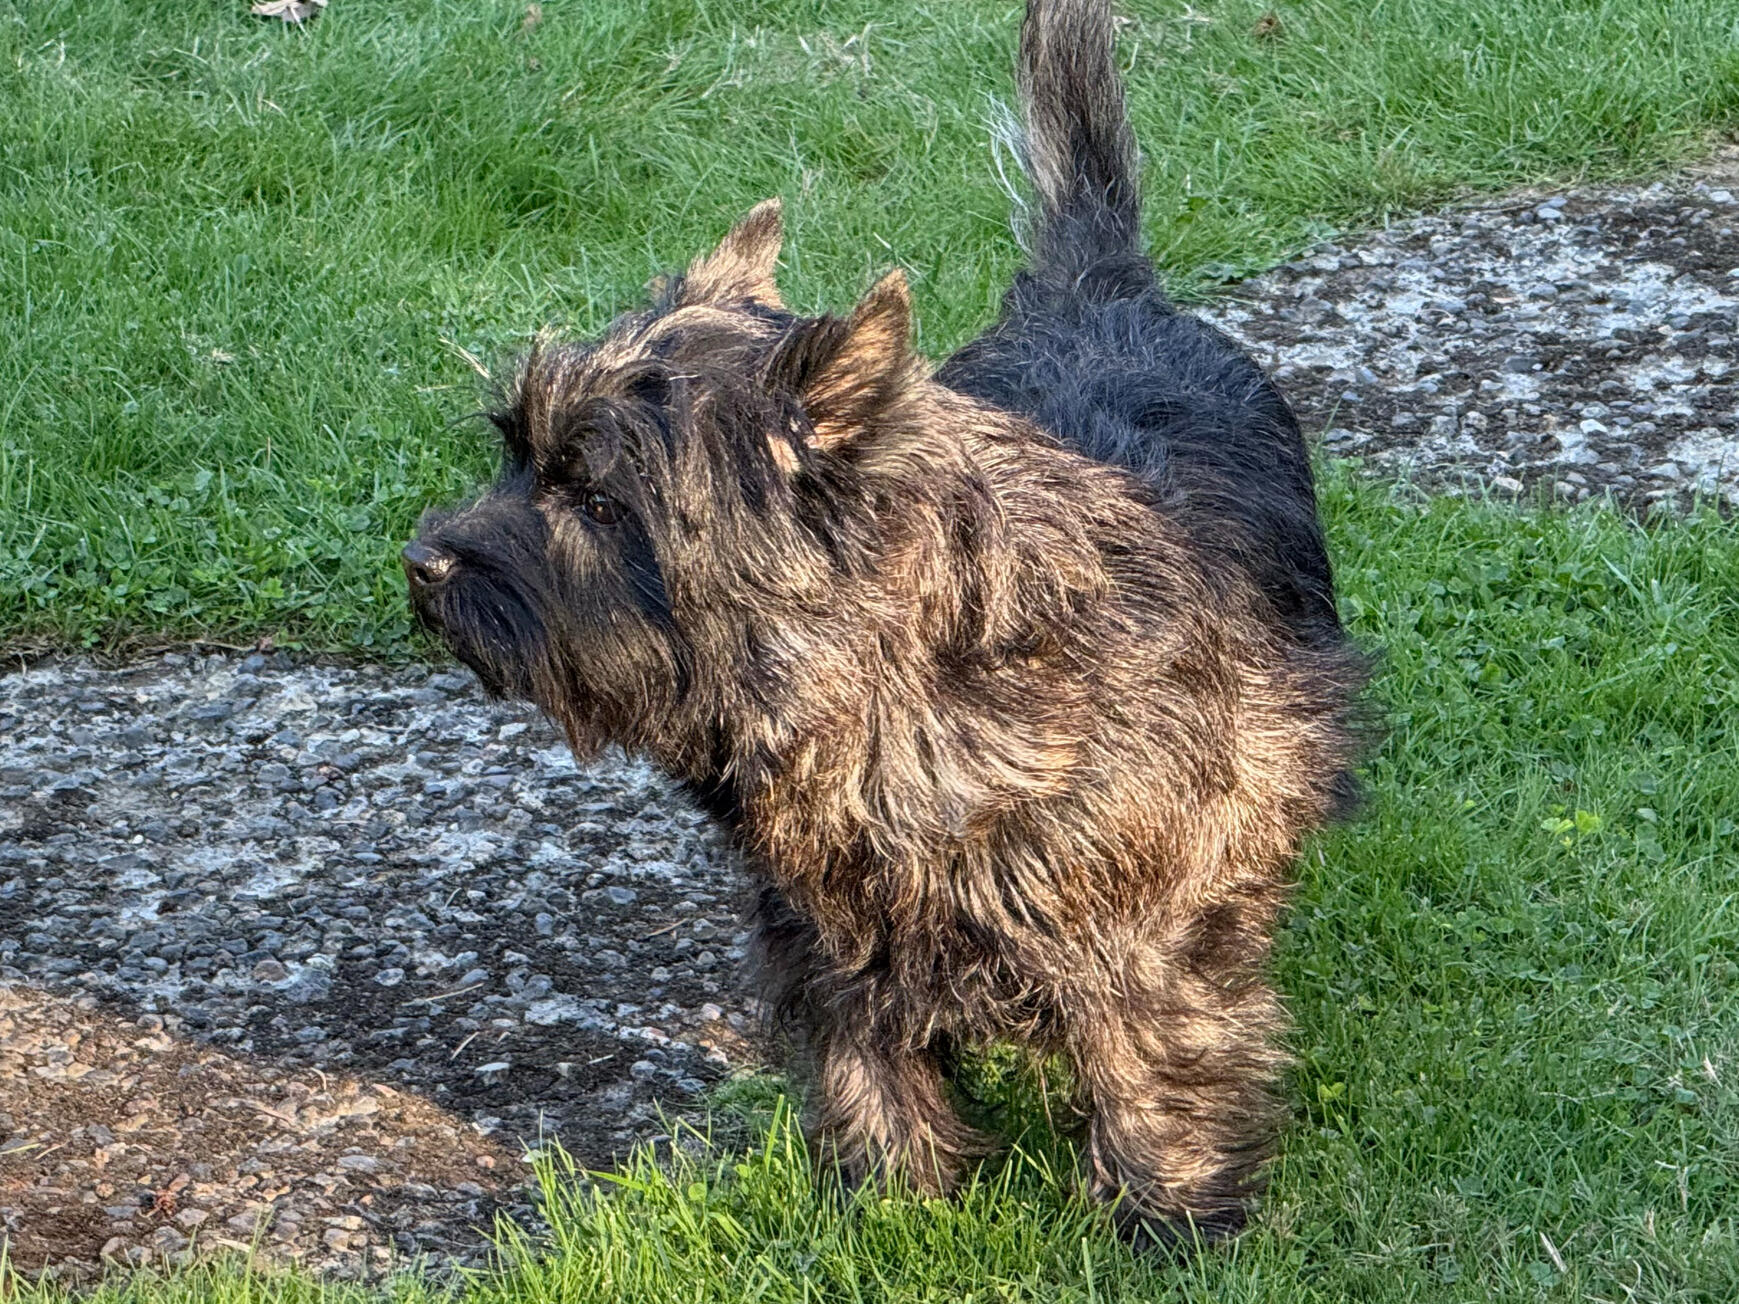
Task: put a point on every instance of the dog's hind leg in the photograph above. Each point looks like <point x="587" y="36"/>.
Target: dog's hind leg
<point x="1177" y="1080"/>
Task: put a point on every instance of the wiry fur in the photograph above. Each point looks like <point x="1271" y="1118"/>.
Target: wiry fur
<point x="1018" y="684"/>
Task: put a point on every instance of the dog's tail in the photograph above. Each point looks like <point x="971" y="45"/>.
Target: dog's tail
<point x="1079" y="151"/>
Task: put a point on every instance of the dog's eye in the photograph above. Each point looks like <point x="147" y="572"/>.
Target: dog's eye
<point x="601" y="508"/>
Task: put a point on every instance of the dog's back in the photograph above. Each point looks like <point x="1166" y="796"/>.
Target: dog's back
<point x="1089" y="346"/>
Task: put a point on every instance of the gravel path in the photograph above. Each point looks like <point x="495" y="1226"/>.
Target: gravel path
<point x="310" y="953"/>
<point x="319" y="871"/>
<point x="1580" y="343"/>
<point x="130" y="1142"/>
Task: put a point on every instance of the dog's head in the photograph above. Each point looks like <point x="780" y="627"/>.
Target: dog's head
<point x="664" y="492"/>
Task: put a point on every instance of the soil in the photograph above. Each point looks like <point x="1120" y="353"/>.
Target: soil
<point x="128" y="1143"/>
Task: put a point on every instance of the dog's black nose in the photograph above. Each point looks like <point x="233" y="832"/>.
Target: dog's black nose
<point x="425" y="566"/>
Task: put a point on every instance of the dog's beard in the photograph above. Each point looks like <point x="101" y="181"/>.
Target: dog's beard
<point x="494" y="630"/>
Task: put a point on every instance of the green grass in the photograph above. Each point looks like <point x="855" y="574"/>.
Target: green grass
<point x="1514" y="985"/>
<point x="237" y="260"/>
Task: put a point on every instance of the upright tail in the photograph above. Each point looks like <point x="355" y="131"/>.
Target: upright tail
<point x="1080" y="152"/>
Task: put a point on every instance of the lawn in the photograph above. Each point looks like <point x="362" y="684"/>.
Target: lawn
<point x="241" y="265"/>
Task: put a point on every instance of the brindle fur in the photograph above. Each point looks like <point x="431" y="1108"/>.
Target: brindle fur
<point x="1018" y="682"/>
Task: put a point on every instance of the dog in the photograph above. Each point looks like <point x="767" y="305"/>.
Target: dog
<point x="1017" y="681"/>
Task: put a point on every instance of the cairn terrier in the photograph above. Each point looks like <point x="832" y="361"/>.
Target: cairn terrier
<point x="1017" y="680"/>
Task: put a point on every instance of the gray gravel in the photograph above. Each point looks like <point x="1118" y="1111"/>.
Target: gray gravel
<point x="1578" y="344"/>
<point x="373" y="871"/>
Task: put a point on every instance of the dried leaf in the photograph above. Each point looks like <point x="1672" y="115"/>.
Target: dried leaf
<point x="533" y="16"/>
<point x="290" y="11"/>
<point x="1267" y="26"/>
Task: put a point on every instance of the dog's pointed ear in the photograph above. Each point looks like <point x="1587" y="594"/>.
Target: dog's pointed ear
<point x="742" y="266"/>
<point x="846" y="372"/>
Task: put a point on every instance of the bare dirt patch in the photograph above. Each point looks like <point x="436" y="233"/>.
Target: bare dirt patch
<point x="120" y="1141"/>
